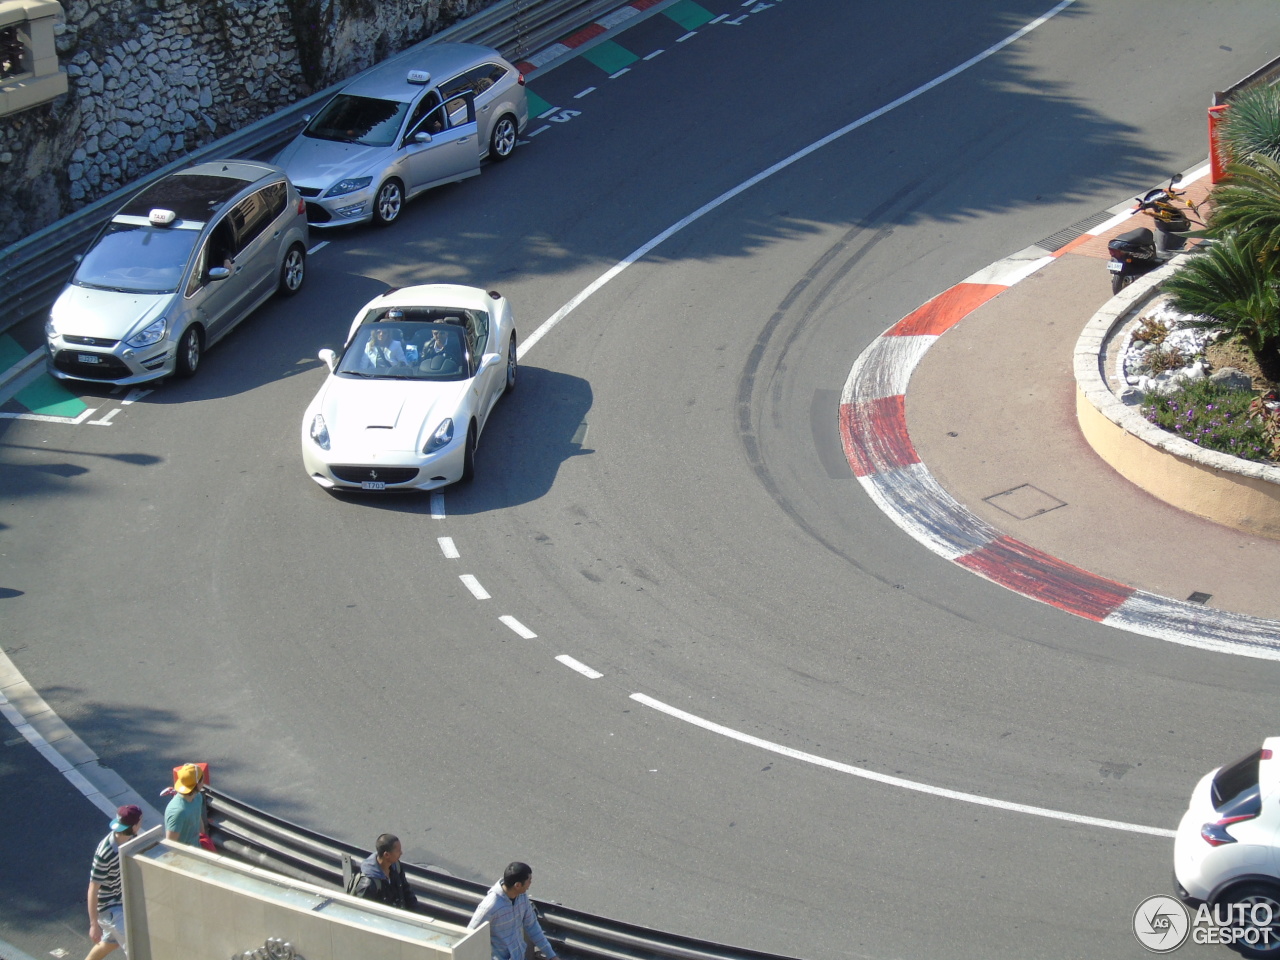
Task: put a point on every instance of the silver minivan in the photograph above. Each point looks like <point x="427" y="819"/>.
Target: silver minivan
<point x="175" y="270"/>
<point x="422" y="119"/>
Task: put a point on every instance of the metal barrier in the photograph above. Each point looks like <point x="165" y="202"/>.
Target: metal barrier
<point x="34" y="270"/>
<point x="247" y="833"/>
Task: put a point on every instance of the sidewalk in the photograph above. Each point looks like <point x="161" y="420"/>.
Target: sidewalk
<point x="1013" y="355"/>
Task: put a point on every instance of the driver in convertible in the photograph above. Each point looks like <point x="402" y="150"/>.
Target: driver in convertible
<point x="384" y="350"/>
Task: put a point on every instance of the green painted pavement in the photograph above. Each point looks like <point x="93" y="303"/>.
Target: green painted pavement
<point x="46" y="395"/>
<point x="688" y="14"/>
<point x="537" y="106"/>
<point x="610" y="57"/>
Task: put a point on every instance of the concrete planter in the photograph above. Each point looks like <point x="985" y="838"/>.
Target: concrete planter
<point x="1236" y="493"/>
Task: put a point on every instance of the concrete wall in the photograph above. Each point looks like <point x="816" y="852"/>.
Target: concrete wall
<point x="149" y="80"/>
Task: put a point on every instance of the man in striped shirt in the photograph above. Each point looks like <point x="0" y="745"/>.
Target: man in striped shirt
<point x="511" y="918"/>
<point x="106" y="905"/>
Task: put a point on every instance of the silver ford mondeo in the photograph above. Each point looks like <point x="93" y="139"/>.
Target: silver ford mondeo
<point x="422" y="119"/>
<point x="175" y="270"/>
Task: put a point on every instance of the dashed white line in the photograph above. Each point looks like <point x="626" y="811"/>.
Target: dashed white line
<point x="546" y="113"/>
<point x="615" y="76"/>
<point x="318" y="247"/>
<point x="542" y="129"/>
<point x="654" y="54"/>
<point x="105" y="421"/>
<point x="518" y="627"/>
<point x="578" y="665"/>
<point x="691" y="33"/>
<point x="437" y="506"/>
<point x="448" y="548"/>
<point x="579" y="96"/>
<point x="472" y="584"/>
<point x="896" y="781"/>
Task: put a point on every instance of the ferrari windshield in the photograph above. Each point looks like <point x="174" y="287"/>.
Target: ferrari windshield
<point x="406" y="350"/>
<point x="363" y="120"/>
<point x="137" y="258"/>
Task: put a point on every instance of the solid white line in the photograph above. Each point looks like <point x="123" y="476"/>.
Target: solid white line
<point x="21" y="367"/>
<point x="549" y="324"/>
<point x="579" y="96"/>
<point x="518" y="627"/>
<point x="896" y="781"/>
<point x="437" y="506"/>
<point x="447" y="548"/>
<point x="44" y="418"/>
<point x="581" y="667"/>
<point x="137" y="393"/>
<point x="472" y="584"/>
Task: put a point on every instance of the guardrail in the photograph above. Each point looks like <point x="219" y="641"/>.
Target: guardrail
<point x="247" y="833"/>
<point x="34" y="270"/>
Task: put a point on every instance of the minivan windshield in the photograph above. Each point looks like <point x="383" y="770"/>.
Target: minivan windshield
<point x="363" y="120"/>
<point x="137" y="258"/>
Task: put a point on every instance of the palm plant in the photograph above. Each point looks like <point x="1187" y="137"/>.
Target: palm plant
<point x="1228" y="285"/>
<point x="1252" y="125"/>
<point x="1247" y="204"/>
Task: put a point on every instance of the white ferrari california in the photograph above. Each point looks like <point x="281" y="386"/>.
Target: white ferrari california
<point x="409" y="394"/>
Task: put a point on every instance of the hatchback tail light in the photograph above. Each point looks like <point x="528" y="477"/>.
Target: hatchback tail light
<point x="1215" y="834"/>
<point x="520" y="78"/>
<point x="302" y="206"/>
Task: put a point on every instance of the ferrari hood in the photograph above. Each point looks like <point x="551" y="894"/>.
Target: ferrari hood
<point x="374" y="415"/>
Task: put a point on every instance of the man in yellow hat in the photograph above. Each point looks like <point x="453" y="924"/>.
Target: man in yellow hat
<point x="184" y="818"/>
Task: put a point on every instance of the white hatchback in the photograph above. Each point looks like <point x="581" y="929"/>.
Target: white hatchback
<point x="1227" y="848"/>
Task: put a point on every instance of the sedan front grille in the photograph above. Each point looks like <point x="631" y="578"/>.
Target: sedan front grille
<point x="309" y="191"/>
<point x="387" y="475"/>
<point x="107" y="367"/>
<point x="91" y="341"/>
<point x="317" y="214"/>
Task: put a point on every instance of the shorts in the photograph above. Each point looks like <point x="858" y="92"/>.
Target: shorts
<point x="111" y="920"/>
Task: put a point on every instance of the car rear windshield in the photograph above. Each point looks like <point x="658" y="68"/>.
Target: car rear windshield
<point x="363" y="120"/>
<point x="134" y="258"/>
<point x="1236" y="780"/>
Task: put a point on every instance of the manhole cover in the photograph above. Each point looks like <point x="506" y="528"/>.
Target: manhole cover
<point x="1024" y="502"/>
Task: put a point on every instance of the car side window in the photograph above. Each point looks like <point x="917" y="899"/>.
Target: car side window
<point x="478" y="331"/>
<point x="426" y="118"/>
<point x="461" y="108"/>
<point x="249" y="218"/>
<point x="277" y="197"/>
<point x="218" y="250"/>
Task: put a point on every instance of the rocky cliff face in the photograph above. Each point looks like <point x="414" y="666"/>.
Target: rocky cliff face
<point x="151" y="80"/>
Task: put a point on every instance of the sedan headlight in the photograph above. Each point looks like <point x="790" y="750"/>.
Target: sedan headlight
<point x="320" y="432"/>
<point x="348" y="185"/>
<point x="152" y="333"/>
<point x="443" y="434"/>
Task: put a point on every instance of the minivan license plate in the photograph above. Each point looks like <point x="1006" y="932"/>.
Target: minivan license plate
<point x="88" y="358"/>
<point x="373" y="485"/>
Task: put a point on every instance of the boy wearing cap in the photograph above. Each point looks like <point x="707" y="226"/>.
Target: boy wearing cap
<point x="106" y="905"/>
<point x="184" y="817"/>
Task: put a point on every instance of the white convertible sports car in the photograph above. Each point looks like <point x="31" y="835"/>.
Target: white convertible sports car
<point x="408" y="396"/>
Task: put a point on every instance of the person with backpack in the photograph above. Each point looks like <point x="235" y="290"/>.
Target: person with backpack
<point x="382" y="879"/>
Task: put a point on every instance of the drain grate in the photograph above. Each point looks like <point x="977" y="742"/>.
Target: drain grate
<point x="1199" y="597"/>
<point x="1063" y="237"/>
<point x="1024" y="502"/>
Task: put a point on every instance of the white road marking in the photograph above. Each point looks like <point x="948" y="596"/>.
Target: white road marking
<point x="654" y="54"/>
<point x="550" y="323"/>
<point x="437" y="506"/>
<point x="579" y="96"/>
<point x="318" y="247"/>
<point x="541" y="129"/>
<point x="137" y="393"/>
<point x="45" y="418"/>
<point x="615" y="76"/>
<point x="546" y="113"/>
<point x="518" y="627"/>
<point x="447" y="548"/>
<point x="691" y="33"/>
<point x="896" y="781"/>
<point x="105" y="421"/>
<point x="472" y="584"/>
<point x="581" y="667"/>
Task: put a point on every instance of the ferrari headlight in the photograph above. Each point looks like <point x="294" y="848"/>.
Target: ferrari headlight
<point x="348" y="185"/>
<point x="151" y="333"/>
<point x="443" y="434"/>
<point x="320" y="432"/>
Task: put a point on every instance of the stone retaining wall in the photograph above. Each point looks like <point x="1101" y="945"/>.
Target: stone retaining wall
<point x="151" y="80"/>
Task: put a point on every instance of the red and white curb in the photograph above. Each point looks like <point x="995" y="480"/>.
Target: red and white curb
<point x="567" y="45"/>
<point x="873" y="429"/>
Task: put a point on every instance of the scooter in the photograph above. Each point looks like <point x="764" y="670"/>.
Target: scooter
<point x="1141" y="251"/>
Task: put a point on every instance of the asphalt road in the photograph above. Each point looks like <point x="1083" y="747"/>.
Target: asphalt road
<point x="665" y="501"/>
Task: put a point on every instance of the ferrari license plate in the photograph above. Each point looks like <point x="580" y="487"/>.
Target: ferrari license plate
<point x="88" y="358"/>
<point x="373" y="485"/>
<point x="1115" y="266"/>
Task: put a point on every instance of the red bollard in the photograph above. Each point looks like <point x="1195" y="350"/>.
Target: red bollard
<point x="1218" y="159"/>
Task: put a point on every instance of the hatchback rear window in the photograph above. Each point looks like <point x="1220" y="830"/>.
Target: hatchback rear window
<point x="364" y="120"/>
<point x="1236" y="780"/>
